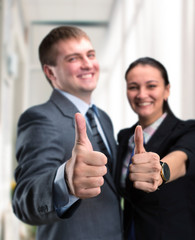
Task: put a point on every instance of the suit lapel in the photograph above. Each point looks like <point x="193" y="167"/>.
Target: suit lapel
<point x="112" y="144"/>
<point x="109" y="137"/>
<point x="68" y="109"/>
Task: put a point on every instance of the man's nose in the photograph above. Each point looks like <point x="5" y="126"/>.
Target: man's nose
<point x="86" y="63"/>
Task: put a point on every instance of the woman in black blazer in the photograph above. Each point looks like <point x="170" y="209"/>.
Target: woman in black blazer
<point x="169" y="212"/>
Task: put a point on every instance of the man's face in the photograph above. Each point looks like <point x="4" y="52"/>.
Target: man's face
<point x="77" y="69"/>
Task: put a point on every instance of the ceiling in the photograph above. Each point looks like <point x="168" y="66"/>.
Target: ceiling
<point x="93" y="16"/>
<point x="62" y="11"/>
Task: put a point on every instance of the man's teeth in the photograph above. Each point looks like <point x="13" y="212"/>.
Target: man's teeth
<point x="86" y="76"/>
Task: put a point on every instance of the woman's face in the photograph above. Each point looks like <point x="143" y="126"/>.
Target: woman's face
<point x="146" y="92"/>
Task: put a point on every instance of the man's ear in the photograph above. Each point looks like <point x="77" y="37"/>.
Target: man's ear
<point x="49" y="72"/>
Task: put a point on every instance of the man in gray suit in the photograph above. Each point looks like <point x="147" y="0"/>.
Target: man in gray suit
<point x="63" y="183"/>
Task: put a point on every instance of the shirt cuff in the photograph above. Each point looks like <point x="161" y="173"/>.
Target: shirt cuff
<point x="63" y="200"/>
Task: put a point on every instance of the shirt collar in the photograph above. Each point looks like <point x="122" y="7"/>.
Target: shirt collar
<point x="80" y="104"/>
<point x="149" y="131"/>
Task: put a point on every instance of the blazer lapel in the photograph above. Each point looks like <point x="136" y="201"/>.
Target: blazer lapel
<point x="122" y="150"/>
<point x="159" y="136"/>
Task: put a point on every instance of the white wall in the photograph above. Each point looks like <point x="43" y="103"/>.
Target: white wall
<point x="13" y="73"/>
<point x="160" y="29"/>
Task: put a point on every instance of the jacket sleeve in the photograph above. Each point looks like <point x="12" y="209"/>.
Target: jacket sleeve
<point x="40" y="150"/>
<point x="185" y="142"/>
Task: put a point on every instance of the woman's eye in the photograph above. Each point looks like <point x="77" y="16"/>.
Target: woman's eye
<point x="132" y="88"/>
<point x="151" y="86"/>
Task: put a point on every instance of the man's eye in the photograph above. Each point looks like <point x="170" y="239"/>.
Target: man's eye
<point x="91" y="55"/>
<point x="72" y="59"/>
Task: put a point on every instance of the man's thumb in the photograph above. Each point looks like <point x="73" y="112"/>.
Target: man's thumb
<point x="81" y="137"/>
<point x="138" y="139"/>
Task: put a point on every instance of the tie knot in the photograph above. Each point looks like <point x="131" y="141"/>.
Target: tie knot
<point x="90" y="113"/>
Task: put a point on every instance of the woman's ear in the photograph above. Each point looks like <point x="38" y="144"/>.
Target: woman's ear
<point x="167" y="92"/>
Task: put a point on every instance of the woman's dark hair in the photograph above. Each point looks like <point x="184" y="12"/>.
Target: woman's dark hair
<point x="154" y="63"/>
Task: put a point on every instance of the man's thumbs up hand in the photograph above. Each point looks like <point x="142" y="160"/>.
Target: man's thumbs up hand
<point x="144" y="171"/>
<point x="85" y="169"/>
<point x="81" y="137"/>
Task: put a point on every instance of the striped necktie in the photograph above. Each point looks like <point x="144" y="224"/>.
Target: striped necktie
<point x="97" y="136"/>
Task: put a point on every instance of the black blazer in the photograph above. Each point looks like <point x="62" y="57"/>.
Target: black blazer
<point x="46" y="135"/>
<point x="168" y="213"/>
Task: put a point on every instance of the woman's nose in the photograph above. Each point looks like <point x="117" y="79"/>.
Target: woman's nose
<point x="142" y="93"/>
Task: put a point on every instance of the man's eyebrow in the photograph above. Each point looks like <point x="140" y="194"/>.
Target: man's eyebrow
<point x="72" y="55"/>
<point x="91" y="50"/>
<point x="78" y="54"/>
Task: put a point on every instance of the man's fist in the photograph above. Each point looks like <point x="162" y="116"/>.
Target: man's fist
<point x="85" y="170"/>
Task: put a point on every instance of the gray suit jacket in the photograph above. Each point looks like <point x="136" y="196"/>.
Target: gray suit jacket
<point x="46" y="135"/>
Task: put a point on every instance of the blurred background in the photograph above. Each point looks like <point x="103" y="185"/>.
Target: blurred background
<point x="121" y="31"/>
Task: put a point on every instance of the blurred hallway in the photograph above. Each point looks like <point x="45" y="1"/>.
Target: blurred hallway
<point x="121" y="31"/>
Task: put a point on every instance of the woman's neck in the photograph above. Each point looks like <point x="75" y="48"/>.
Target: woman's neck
<point x="145" y="122"/>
